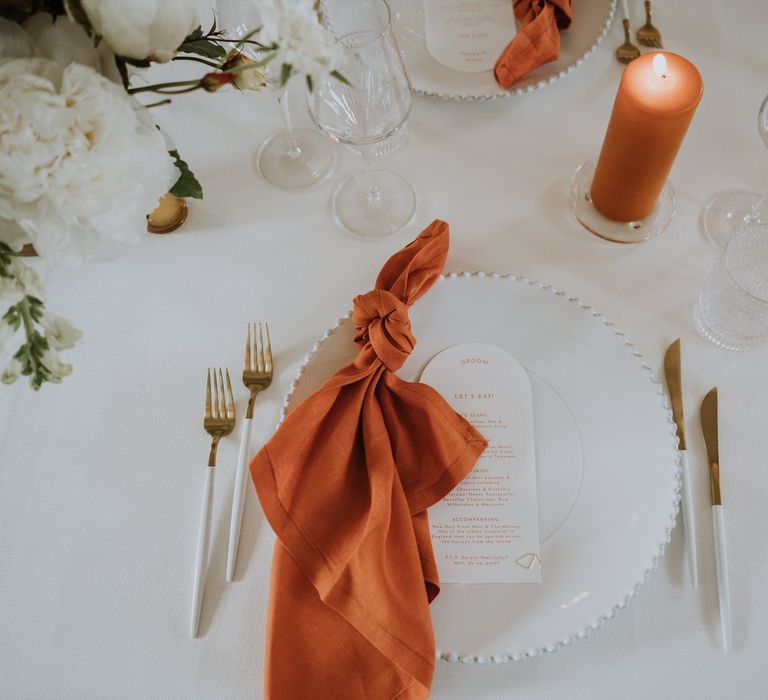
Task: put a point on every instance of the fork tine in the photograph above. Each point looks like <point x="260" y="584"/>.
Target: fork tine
<point x="220" y="397"/>
<point x="230" y="397"/>
<point x="260" y="346"/>
<point x="268" y="360"/>
<point x="208" y="394"/>
<point x="247" y="362"/>
<point x="215" y="395"/>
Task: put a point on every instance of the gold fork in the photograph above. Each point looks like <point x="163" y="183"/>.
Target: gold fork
<point x="627" y="51"/>
<point x="257" y="376"/>
<point x="648" y="35"/>
<point x="218" y="421"/>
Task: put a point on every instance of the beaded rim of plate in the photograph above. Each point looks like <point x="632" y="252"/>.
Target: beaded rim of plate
<point x="457" y="656"/>
<point x="529" y="88"/>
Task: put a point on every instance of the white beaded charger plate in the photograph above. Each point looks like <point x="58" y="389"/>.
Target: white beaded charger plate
<point x="591" y="21"/>
<point x="606" y="455"/>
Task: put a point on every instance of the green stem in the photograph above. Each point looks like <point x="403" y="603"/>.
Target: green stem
<point x="26" y="317"/>
<point x="158" y="86"/>
<point x="196" y="60"/>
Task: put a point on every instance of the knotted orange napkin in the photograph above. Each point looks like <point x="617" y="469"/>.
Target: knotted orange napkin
<point x="345" y="483"/>
<point x="538" y="40"/>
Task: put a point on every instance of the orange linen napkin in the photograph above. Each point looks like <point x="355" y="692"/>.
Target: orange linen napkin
<point x="345" y="483"/>
<point x="538" y="40"/>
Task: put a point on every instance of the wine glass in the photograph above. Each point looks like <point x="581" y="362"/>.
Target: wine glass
<point x="370" y="105"/>
<point x="292" y="159"/>
<point x="730" y="211"/>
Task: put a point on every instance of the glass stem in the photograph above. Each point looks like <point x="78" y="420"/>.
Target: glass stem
<point x="374" y="193"/>
<point x="757" y="210"/>
<point x="294" y="150"/>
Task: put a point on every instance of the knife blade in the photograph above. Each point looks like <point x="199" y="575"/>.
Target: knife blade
<point x="709" y="427"/>
<point x="672" y="370"/>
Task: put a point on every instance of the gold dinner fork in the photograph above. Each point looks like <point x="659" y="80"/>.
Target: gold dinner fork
<point x="627" y="51"/>
<point x="218" y="421"/>
<point x="257" y="376"/>
<point x="648" y="35"/>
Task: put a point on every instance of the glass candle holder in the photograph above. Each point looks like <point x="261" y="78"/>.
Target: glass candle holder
<point x="624" y="196"/>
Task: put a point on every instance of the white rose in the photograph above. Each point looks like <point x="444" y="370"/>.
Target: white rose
<point x="58" y="369"/>
<point x="61" y="333"/>
<point x="80" y="165"/>
<point x="302" y="41"/>
<point x="151" y="29"/>
<point x="11" y="372"/>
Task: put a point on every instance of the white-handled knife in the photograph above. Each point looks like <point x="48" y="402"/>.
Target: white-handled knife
<point x="709" y="427"/>
<point x="672" y="371"/>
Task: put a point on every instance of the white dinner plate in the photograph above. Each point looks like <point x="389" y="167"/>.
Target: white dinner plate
<point x="591" y="20"/>
<point x="606" y="454"/>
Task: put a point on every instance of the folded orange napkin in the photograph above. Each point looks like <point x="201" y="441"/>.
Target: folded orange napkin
<point x="538" y="40"/>
<point x="345" y="483"/>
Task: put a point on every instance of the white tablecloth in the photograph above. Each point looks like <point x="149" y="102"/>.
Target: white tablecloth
<point x="100" y="477"/>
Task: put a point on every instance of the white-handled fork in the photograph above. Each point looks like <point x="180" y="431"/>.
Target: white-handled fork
<point x="219" y="421"/>
<point x="257" y="375"/>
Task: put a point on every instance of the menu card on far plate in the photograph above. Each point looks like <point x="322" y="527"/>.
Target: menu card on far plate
<point x="487" y="529"/>
<point x="468" y="35"/>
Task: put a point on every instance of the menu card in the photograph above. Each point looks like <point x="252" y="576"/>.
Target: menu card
<point x="468" y="35"/>
<point x="487" y="529"/>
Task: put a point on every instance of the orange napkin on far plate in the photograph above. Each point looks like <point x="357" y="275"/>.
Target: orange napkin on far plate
<point x="538" y="40"/>
<point x="345" y="483"/>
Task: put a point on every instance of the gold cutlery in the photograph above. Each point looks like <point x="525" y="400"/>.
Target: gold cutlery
<point x="709" y="427"/>
<point x="627" y="51"/>
<point x="672" y="371"/>
<point x="257" y="376"/>
<point x="218" y="421"/>
<point x="648" y="35"/>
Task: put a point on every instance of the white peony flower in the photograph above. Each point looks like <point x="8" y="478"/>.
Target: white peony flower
<point x="65" y="42"/>
<point x="81" y="165"/>
<point x="61" y="333"/>
<point x="14" y="41"/>
<point x="151" y="29"/>
<point x="11" y="372"/>
<point x="302" y="41"/>
<point x="58" y="369"/>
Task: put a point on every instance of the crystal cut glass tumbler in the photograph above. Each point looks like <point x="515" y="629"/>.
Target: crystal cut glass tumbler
<point x="732" y="309"/>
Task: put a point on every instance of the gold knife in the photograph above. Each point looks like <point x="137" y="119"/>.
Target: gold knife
<point x="709" y="426"/>
<point x="672" y="371"/>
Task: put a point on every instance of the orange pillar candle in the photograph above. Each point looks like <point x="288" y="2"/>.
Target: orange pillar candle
<point x="657" y="97"/>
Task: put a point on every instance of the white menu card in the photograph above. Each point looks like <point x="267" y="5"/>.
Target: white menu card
<point x="468" y="35"/>
<point x="487" y="529"/>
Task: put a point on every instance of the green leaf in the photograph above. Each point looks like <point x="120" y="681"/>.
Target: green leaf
<point x="35" y="308"/>
<point x="187" y="185"/>
<point x="197" y="33"/>
<point x="340" y="78"/>
<point x="285" y="73"/>
<point x="310" y="84"/>
<point x="12" y="318"/>
<point x="203" y="47"/>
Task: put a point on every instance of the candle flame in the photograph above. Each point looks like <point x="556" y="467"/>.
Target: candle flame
<point x="660" y="65"/>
